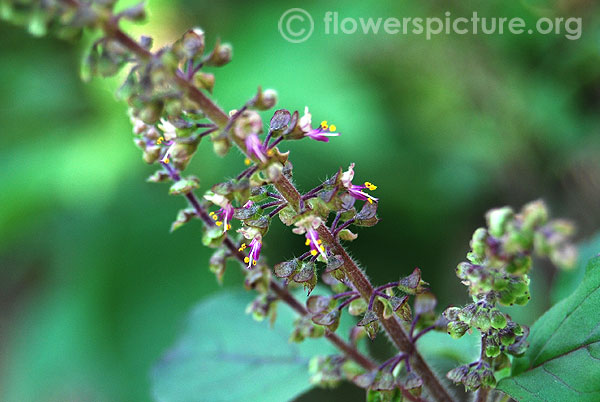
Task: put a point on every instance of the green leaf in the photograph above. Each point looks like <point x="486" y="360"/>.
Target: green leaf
<point x="563" y="360"/>
<point x="224" y="355"/>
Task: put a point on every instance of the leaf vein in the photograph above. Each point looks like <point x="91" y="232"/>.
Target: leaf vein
<point x="562" y="322"/>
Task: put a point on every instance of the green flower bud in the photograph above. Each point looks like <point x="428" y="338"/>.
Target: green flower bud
<point x="451" y="313"/>
<point x="221" y="55"/>
<point x="519" y="265"/>
<point x="500" y="283"/>
<point x="266" y="99"/>
<point x="472" y="381"/>
<point x="458" y="374"/>
<point x="481" y="321"/>
<point x="221" y="146"/>
<point x="467" y="312"/>
<point x="487" y="378"/>
<point x="492" y="350"/>
<point x="478" y="242"/>
<point x="151" y="112"/>
<point x="522" y="300"/>
<point x="507" y="338"/>
<point x="497" y="220"/>
<point x="457" y="329"/>
<point x="534" y="214"/>
<point x="498" y="319"/>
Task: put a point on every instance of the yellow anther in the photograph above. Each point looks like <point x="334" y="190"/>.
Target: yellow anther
<point x="370" y="186"/>
<point x="228" y="227"/>
<point x="370" y="200"/>
<point x="246" y="260"/>
<point x="313" y="252"/>
<point x="247" y="162"/>
<point x="270" y="152"/>
<point x="166" y="160"/>
<point x="242" y="247"/>
<point x="307" y="242"/>
<point x="160" y="140"/>
<point x="219" y="223"/>
<point x="322" y="248"/>
<point x="319" y="241"/>
<point x="254" y="262"/>
<point x="332" y="128"/>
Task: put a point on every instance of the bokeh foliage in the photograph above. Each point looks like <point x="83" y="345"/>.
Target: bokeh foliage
<point x="93" y="287"/>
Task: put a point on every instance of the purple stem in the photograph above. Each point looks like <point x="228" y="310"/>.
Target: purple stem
<point x="190" y="69"/>
<point x="335" y="221"/>
<point x="304" y="256"/>
<point x="344" y="226"/>
<point x="413" y="324"/>
<point x="372" y="300"/>
<point x="345" y="294"/>
<point x="248" y="172"/>
<point x="348" y="301"/>
<point x="271" y="204"/>
<point x="312" y="192"/>
<point x="387" y="286"/>
<point x="405" y="357"/>
<point x="267" y="139"/>
<point x="276" y="210"/>
<point x="274" y="195"/>
<point x="423" y="332"/>
<point x="277" y="141"/>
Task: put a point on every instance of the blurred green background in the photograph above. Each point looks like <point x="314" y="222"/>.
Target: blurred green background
<point x="93" y="288"/>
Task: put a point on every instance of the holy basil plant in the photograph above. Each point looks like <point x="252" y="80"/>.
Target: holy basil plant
<point x="167" y="90"/>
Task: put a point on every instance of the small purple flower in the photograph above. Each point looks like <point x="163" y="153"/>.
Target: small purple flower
<point x="316" y="244"/>
<point x="256" y="147"/>
<point x="254" y="255"/>
<point x="356" y="191"/>
<point x="223" y="216"/>
<point x="321" y="133"/>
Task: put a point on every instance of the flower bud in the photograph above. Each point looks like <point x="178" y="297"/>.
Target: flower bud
<point x="451" y="313"/>
<point x="266" y="99"/>
<point x="473" y="380"/>
<point x="457" y="329"/>
<point x="481" y="321"/>
<point x="221" y="55"/>
<point x="534" y="214"/>
<point x="221" y="146"/>
<point x="492" y="350"/>
<point x="507" y="337"/>
<point x="497" y="220"/>
<point x="487" y="378"/>
<point x="151" y="154"/>
<point x="458" y="374"/>
<point x="478" y="242"/>
<point x="498" y="319"/>
<point x="192" y="43"/>
<point x="467" y="312"/>
<point x="205" y="81"/>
